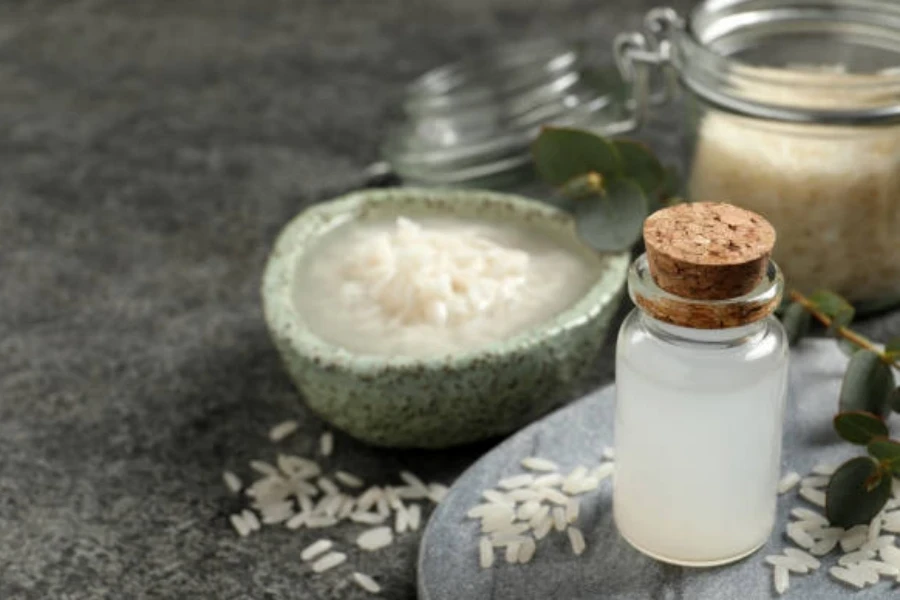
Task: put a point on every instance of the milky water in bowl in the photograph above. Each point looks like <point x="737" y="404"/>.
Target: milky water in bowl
<point x="437" y="285"/>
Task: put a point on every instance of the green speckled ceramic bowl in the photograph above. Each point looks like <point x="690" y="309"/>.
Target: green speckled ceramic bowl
<point x="436" y="402"/>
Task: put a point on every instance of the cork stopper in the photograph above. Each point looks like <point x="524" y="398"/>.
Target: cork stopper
<point x="707" y="253"/>
<point x="708" y="250"/>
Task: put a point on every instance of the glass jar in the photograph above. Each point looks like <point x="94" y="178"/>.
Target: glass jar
<point x="792" y="111"/>
<point x="698" y="423"/>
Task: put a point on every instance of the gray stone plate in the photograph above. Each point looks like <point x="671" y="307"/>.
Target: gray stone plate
<point x="610" y="568"/>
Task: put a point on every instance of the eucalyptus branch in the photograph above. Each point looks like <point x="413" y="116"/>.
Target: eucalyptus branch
<point x="842" y="331"/>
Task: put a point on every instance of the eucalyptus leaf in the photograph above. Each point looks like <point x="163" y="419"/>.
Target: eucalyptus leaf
<point x="868" y="384"/>
<point x="641" y="166"/>
<point x="858" y="427"/>
<point x="857" y="492"/>
<point x="796" y="321"/>
<point x="613" y="221"/>
<point x="835" y="307"/>
<point x="886" y="452"/>
<point x="561" y="155"/>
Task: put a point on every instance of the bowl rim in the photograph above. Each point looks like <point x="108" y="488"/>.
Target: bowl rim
<point x="317" y="220"/>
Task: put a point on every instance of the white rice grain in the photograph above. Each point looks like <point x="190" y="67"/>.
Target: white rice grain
<point x="369" y="498"/>
<point x="232" y="482"/>
<point x="367" y="518"/>
<point x="538" y="517"/>
<point x="782" y="580"/>
<point x="877" y="544"/>
<point x="847" y="576"/>
<point x="603" y="471"/>
<point x="437" y="492"/>
<point x="297" y="466"/>
<point x="315" y="549"/>
<point x="804" y="514"/>
<point x="401" y="521"/>
<point x="824" y="546"/>
<point x="326" y="444"/>
<point x="320" y="521"/>
<point x="240" y="526"/>
<point x="803" y="557"/>
<point x="815" y="481"/>
<point x="543" y="527"/>
<point x="574" y="479"/>
<point x="366" y="583"/>
<point x="854" y="538"/>
<point x="251" y="519"/>
<point x="329" y="561"/>
<point x="789" y="563"/>
<point x="496" y="497"/>
<point x="501" y="540"/>
<point x="572" y="508"/>
<point x="305" y="502"/>
<point x="890" y="555"/>
<point x="813" y="495"/>
<point x="527" y="550"/>
<point x="528" y="510"/>
<point x="554" y="496"/>
<point x="328" y="487"/>
<point x="866" y="574"/>
<point x="534" y="463"/>
<point x="411" y="492"/>
<point x="347" y="508"/>
<point x="414" y="517"/>
<point x="824" y="469"/>
<point x="559" y="518"/>
<point x="576" y="539"/>
<point x="413" y="481"/>
<point x="485" y="553"/>
<point x="882" y="568"/>
<point x="799" y="536"/>
<point x="393" y="499"/>
<point x="523" y="495"/>
<point x="374" y="539"/>
<point x="516" y="481"/>
<point x="512" y="552"/>
<point x="302" y="487"/>
<point x="788" y="482"/>
<point x="278" y="512"/>
<point x="852" y="558"/>
<point x="548" y="480"/>
<point x="297" y="521"/>
<point x="282" y="430"/>
<point x="348" y="479"/>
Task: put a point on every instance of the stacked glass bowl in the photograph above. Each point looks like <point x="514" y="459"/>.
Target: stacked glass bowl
<point x="471" y="123"/>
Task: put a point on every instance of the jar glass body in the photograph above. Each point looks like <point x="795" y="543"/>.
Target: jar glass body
<point x="698" y="437"/>
<point x="792" y="111"/>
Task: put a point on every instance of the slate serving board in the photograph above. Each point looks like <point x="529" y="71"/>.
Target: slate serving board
<point x="610" y="568"/>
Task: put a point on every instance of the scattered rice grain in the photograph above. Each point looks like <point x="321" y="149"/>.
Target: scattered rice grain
<point x="516" y="481"/>
<point x="576" y="539"/>
<point x="326" y="444"/>
<point x="329" y="561"/>
<point x="348" y="479"/>
<point x="534" y="463"/>
<point x="813" y="495"/>
<point x="788" y="482"/>
<point x="782" y="580"/>
<point x="232" y="482"/>
<point x="282" y="430"/>
<point x="366" y="583"/>
<point x="485" y="553"/>
<point x="374" y="539"/>
<point x="527" y="550"/>
<point x="315" y="549"/>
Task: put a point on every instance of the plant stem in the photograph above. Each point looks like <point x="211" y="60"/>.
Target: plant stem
<point x="848" y="334"/>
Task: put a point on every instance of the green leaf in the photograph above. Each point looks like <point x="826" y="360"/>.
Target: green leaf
<point x="887" y="452"/>
<point x="868" y="384"/>
<point x="796" y="321"/>
<point x="561" y="155"/>
<point x="859" y="427"/>
<point x="892" y="349"/>
<point x="857" y="492"/>
<point x="613" y="221"/>
<point x="837" y="308"/>
<point x="639" y="164"/>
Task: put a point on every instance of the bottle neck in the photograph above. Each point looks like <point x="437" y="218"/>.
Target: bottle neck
<point x="714" y="338"/>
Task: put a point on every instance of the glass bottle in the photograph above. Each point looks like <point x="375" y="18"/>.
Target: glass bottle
<point x="701" y="373"/>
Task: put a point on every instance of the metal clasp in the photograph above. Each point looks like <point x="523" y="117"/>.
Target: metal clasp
<point x="643" y="58"/>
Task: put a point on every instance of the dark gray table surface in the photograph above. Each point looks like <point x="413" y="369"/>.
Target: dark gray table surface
<point x="149" y="153"/>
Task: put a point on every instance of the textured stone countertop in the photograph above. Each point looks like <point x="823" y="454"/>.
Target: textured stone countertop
<point x="150" y="153"/>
